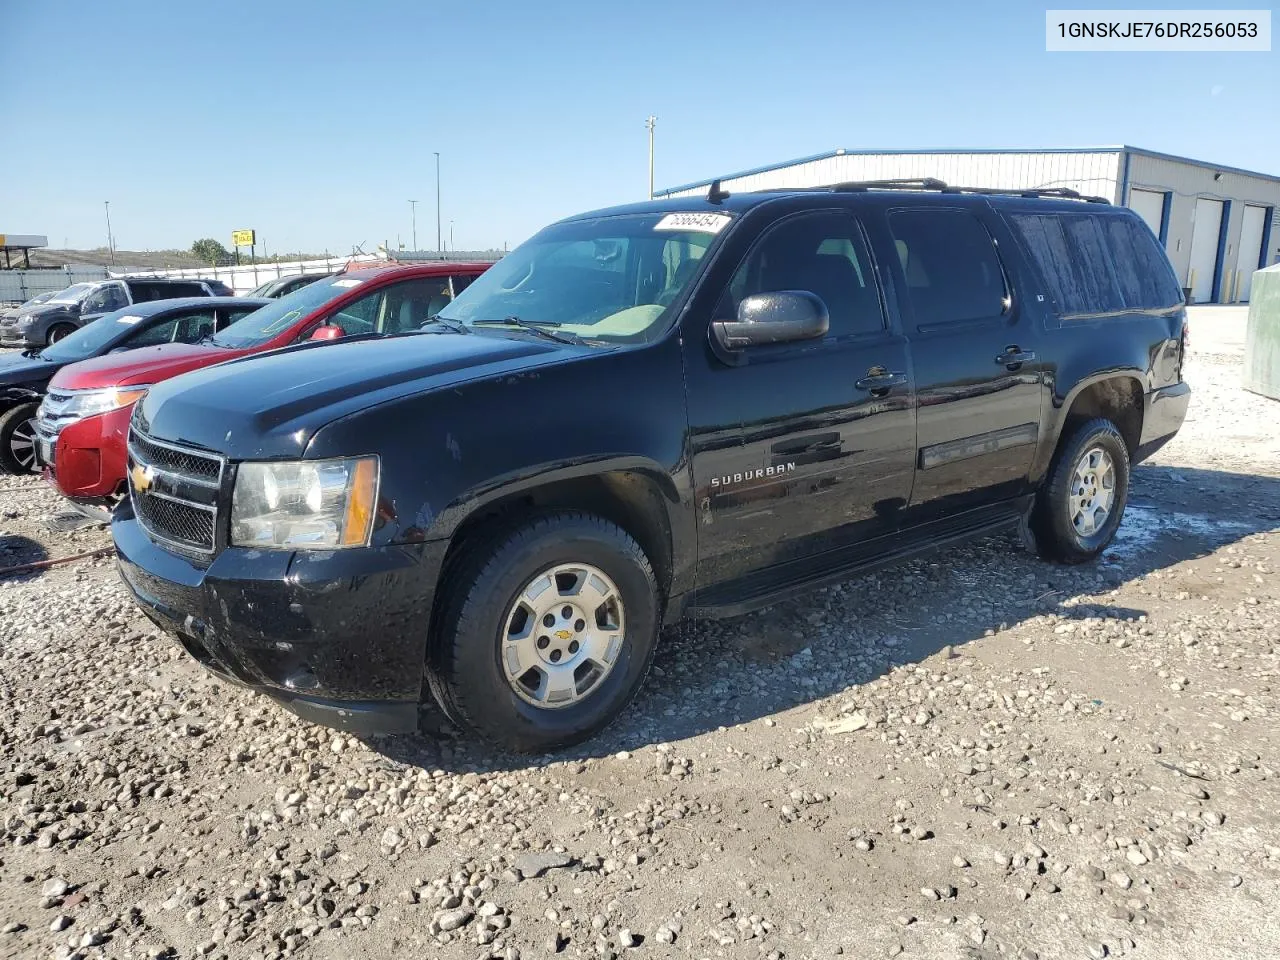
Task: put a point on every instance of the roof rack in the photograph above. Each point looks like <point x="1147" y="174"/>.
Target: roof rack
<point x="940" y="186"/>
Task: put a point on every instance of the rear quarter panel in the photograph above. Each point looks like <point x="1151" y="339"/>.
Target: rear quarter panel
<point x="1141" y="347"/>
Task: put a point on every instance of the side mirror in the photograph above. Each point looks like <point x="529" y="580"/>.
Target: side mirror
<point x="330" y="331"/>
<point x="782" y="317"/>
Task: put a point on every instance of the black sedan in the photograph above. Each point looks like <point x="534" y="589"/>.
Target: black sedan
<point x="24" y="376"/>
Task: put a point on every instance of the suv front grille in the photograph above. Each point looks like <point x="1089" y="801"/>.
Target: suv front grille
<point x="175" y="493"/>
<point x="184" y="523"/>
<point x="197" y="465"/>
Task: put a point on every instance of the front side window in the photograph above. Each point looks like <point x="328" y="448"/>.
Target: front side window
<point x="612" y="279"/>
<point x="162" y="332"/>
<point x="279" y="315"/>
<point x="106" y="299"/>
<point x="398" y="308"/>
<point x="820" y="253"/>
<point x="950" y="266"/>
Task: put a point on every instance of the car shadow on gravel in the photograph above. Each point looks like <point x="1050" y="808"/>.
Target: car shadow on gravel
<point x="16" y="552"/>
<point x="721" y="673"/>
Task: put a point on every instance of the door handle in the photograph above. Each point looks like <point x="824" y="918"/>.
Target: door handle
<point x="879" y="380"/>
<point x="1014" y="357"/>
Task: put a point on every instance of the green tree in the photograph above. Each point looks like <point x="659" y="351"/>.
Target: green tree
<point x="210" y="251"/>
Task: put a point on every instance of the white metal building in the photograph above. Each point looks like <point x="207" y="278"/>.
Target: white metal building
<point x="1216" y="222"/>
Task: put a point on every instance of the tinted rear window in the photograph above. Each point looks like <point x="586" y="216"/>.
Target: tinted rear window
<point x="1098" y="264"/>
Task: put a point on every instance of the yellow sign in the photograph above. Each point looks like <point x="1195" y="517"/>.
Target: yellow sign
<point x="243" y="238"/>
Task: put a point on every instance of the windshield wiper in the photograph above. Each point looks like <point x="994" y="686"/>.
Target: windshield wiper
<point x="540" y="328"/>
<point x="446" y="322"/>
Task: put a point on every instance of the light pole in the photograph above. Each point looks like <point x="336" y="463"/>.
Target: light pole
<point x="651" y="123"/>
<point x="111" y="244"/>
<point x="437" y="153"/>
<point x="451" y="247"/>
<point x="413" y="215"/>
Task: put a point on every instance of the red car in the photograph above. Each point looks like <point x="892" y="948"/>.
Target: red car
<point x="82" y="424"/>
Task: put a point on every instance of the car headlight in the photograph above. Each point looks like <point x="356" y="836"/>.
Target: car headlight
<point x="25" y="321"/>
<point x="305" y="504"/>
<point x="87" y="403"/>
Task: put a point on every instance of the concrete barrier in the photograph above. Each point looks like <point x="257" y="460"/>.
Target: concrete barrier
<point x="1262" y="337"/>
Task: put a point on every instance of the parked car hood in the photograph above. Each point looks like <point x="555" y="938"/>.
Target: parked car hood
<point x="269" y="406"/>
<point x="49" y="310"/>
<point x="17" y="368"/>
<point x="140" y="366"/>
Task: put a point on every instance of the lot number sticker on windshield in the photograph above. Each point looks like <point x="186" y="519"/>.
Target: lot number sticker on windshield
<point x="701" y="222"/>
<point x="128" y="318"/>
<point x="348" y="282"/>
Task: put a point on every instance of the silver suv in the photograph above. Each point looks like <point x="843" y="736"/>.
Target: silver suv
<point x="81" y="303"/>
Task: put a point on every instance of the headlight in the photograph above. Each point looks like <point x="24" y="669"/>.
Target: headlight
<point x="25" y="321"/>
<point x="305" y="504"/>
<point x="86" y="403"/>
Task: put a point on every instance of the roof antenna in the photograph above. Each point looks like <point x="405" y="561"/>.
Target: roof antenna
<point x="716" y="194"/>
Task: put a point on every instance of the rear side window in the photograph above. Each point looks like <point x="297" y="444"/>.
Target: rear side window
<point x="950" y="266"/>
<point x="1096" y="265"/>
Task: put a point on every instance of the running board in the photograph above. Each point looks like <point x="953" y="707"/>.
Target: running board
<point x="776" y="584"/>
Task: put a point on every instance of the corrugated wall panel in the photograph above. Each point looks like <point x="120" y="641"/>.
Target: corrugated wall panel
<point x="1188" y="182"/>
<point x="1092" y="173"/>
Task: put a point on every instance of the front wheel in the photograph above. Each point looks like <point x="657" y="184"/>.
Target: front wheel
<point x="60" y="331"/>
<point x="1078" y="510"/>
<point x="547" y="632"/>
<point x="18" y="439"/>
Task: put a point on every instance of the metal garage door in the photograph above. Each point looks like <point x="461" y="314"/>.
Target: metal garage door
<point x="1250" y="247"/>
<point x="1204" y="247"/>
<point x="1149" y="205"/>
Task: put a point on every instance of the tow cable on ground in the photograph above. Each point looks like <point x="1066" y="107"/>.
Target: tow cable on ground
<point x="43" y="564"/>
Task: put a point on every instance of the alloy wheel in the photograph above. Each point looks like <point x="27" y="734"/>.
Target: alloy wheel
<point x="563" y="635"/>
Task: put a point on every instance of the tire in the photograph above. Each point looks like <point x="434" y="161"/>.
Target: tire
<point x="472" y="661"/>
<point x="17" y="439"/>
<point x="58" y="331"/>
<point x="1063" y="531"/>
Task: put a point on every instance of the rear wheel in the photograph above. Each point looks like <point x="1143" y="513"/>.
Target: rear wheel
<point x="18" y="439"/>
<point x="58" y="331"/>
<point x="546" y="632"/>
<point x="1079" y="509"/>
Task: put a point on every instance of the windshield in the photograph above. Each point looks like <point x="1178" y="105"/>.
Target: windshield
<point x="41" y="298"/>
<point x="276" y="317"/>
<point x="92" y="338"/>
<point x="611" y="278"/>
<point x="262" y="290"/>
<point x="72" y="294"/>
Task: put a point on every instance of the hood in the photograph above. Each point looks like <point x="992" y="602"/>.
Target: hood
<point x="17" y="369"/>
<point x="270" y="405"/>
<point x="140" y="366"/>
<point x="52" y="309"/>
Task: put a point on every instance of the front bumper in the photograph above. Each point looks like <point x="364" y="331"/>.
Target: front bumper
<point x="338" y="637"/>
<point x="1165" y="410"/>
<point x="89" y="455"/>
<point x="13" y="337"/>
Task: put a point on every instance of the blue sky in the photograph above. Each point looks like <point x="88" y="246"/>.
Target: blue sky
<point x="315" y="122"/>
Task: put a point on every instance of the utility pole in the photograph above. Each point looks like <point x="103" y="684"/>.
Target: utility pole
<point x="413" y="215"/>
<point x="650" y="124"/>
<point x="437" y="153"/>
<point x="451" y="246"/>
<point x="111" y="244"/>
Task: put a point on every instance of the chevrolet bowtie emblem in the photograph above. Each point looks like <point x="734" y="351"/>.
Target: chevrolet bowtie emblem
<point x="563" y="634"/>
<point x="141" y="477"/>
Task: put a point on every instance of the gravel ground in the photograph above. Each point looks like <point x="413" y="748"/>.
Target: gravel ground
<point x="975" y="755"/>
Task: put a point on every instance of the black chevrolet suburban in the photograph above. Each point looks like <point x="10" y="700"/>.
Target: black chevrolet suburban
<point x="686" y="407"/>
